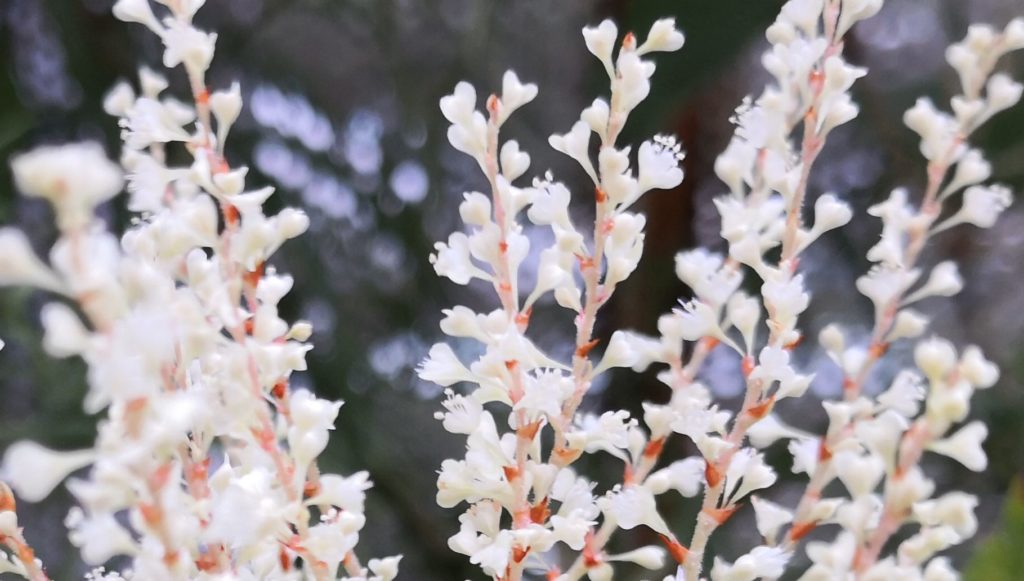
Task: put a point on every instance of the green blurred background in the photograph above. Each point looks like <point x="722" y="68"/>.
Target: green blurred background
<point x="342" y="117"/>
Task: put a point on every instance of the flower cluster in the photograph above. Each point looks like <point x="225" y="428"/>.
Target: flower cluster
<point x="873" y="445"/>
<point x="205" y="464"/>
<point x="550" y="508"/>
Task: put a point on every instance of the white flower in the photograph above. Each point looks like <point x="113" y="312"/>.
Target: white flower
<point x="805" y="453"/>
<point x="747" y="472"/>
<point x="459" y="107"/>
<point x="982" y="206"/>
<point x="760" y="563"/>
<point x="854" y="11"/>
<point x="119" y="100"/>
<point x="386" y="569"/>
<point x="33" y="471"/>
<point x="650" y="557"/>
<point x="658" y="164"/>
<point x="896" y="215"/>
<point x="978" y="371"/>
<point x="706" y="274"/>
<point x="576" y="144"/>
<point x="904" y="394"/>
<point x="596" y="116"/>
<point x="954" y="509"/>
<point x="663" y="37"/>
<point x="684" y="476"/>
<point x="452" y="260"/>
<point x="226" y="106"/>
<point x="1001" y="92"/>
<point x="785" y="300"/>
<point x="247" y="511"/>
<point x="920" y="547"/>
<point x="770" y="517"/>
<point x="98" y="537"/>
<point x="185" y="44"/>
<point x="860" y="473"/>
<point x="64" y="333"/>
<point x="514" y="162"/>
<point x="618" y="354"/>
<point x="20" y="265"/>
<point x="149" y="121"/>
<point x="965" y="446"/>
<point x="935" y="357"/>
<point x="311" y="413"/>
<point x="909" y="324"/>
<point x="462" y="415"/>
<point x="514" y="94"/>
<point x="634" y="79"/>
<point x="137" y="11"/>
<point x="883" y="284"/>
<point x="74" y="178"/>
<point x="346" y="493"/>
<point x="944" y="281"/>
<point x="697" y="320"/>
<point x="830" y="213"/>
<point x="468" y="130"/>
<point x="770" y="429"/>
<point x="634" y="506"/>
<point x="938" y="130"/>
<point x="744" y="313"/>
<point x="600" y="41"/>
<point x="972" y="169"/>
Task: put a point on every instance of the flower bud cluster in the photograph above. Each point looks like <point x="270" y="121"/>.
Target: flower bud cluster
<point x="205" y="464"/>
<point x="528" y="509"/>
<point x="873" y="445"/>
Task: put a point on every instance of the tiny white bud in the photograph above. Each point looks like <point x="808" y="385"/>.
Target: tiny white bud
<point x="231" y="183"/>
<point x="596" y="116"/>
<point x="965" y="446"/>
<point x="600" y="41"/>
<point x="151" y="82"/>
<point x="514" y="162"/>
<point x="300" y="331"/>
<point x="935" y="357"/>
<point x="292" y="222"/>
<point x="33" y="471"/>
<point x="663" y="37"/>
<point x="909" y="324"/>
<point x="65" y="335"/>
<point x="650" y="557"/>
<point x="137" y="11"/>
<point x="226" y="106"/>
<point x="119" y="100"/>
<point x="978" y="371"/>
<point x="1002" y="92"/>
<point x="831" y="338"/>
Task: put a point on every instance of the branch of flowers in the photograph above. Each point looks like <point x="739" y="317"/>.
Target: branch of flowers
<point x="590" y="267"/>
<point x="683" y="377"/>
<point x="929" y="210"/>
<point x="243" y="285"/>
<point x="754" y="408"/>
<point x="853" y="384"/>
<point x="813" y="142"/>
<point x="506" y="288"/>
<point x="912" y="447"/>
<point x="152" y="513"/>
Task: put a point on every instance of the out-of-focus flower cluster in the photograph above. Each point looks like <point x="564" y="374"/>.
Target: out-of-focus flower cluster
<point x="527" y="508"/>
<point x="205" y="464"/>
